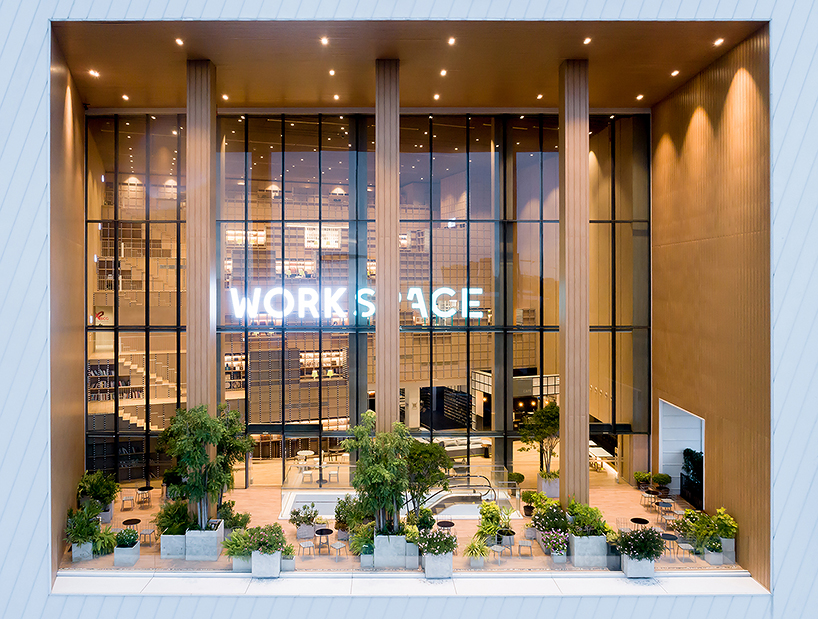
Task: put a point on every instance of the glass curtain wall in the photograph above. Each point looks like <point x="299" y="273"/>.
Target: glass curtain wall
<point x="135" y="290"/>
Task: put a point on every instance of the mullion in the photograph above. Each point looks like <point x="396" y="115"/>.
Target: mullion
<point x="147" y="296"/>
<point x="245" y="345"/>
<point x="468" y="286"/>
<point x="116" y="294"/>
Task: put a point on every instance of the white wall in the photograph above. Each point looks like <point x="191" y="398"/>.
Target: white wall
<point x="24" y="306"/>
<point x="678" y="430"/>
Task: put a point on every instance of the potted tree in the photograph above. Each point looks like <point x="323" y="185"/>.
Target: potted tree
<point x="288" y="558"/>
<point x="172" y="522"/>
<point x="347" y="513"/>
<point x="528" y="500"/>
<point x="642" y="480"/>
<point x="437" y="548"/>
<point x="232" y="520"/>
<point x="427" y="465"/>
<point x="662" y="480"/>
<point x="713" y="551"/>
<point x="81" y="528"/>
<point x="541" y="431"/>
<point x="239" y="547"/>
<point x="126" y="553"/>
<point x="726" y="530"/>
<point x="477" y="551"/>
<point x="303" y="519"/>
<point x="587" y="542"/>
<point x="98" y="486"/>
<point x="517" y="479"/>
<point x="557" y="543"/>
<point x="640" y="549"/>
<point x="267" y="543"/>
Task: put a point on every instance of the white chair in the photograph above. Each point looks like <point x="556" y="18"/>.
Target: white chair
<point x="336" y="546"/>
<point x="127" y="496"/>
<point x="307" y="473"/>
<point x="333" y="472"/>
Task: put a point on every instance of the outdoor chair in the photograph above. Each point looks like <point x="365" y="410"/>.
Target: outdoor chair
<point x="127" y="496"/>
<point x="307" y="546"/>
<point x="336" y="546"/>
<point x="525" y="543"/>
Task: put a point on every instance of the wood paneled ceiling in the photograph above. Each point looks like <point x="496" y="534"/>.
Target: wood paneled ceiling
<point x="490" y="65"/>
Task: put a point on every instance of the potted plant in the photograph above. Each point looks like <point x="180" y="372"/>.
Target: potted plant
<point x="232" y="520"/>
<point x="104" y="542"/>
<point x="549" y="517"/>
<point x="642" y="480"/>
<point x="713" y="551"/>
<point x="557" y="543"/>
<point x="288" y="558"/>
<point x="528" y="500"/>
<point x="587" y="543"/>
<point x="541" y="431"/>
<point x="303" y="519"/>
<point x="437" y="547"/>
<point x="662" y="481"/>
<point x="347" y="514"/>
<point x="267" y="543"/>
<point x="172" y="522"/>
<point x="726" y="530"/>
<point x="239" y="547"/>
<point x="204" y="544"/>
<point x="640" y="549"/>
<point x="362" y="543"/>
<point x="477" y="551"/>
<point x="126" y="553"/>
<point x="99" y="487"/>
<point x="702" y="529"/>
<point x="427" y="467"/>
<point x="517" y="479"/>
<point x="548" y="483"/>
<point x="412" y="552"/>
<point x="81" y="528"/>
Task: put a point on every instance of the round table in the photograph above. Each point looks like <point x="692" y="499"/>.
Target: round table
<point x="145" y="488"/>
<point x="131" y="523"/>
<point x="640" y="521"/>
<point x="323" y="532"/>
<point x="445" y="525"/>
<point x="143" y="494"/>
<point x="669" y="537"/>
<point x="304" y="454"/>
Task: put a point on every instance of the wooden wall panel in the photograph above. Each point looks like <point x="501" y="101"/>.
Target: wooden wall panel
<point x="711" y="280"/>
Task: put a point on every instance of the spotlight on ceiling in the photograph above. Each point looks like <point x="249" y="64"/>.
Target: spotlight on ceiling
<point x="718" y="42"/>
<point x="94" y="73"/>
<point x="586" y="41"/>
<point x="324" y="41"/>
<point x="451" y="40"/>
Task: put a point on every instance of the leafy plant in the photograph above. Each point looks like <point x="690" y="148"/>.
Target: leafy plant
<point x="556" y="541"/>
<point x="362" y="539"/>
<point x="642" y="477"/>
<point x="424" y="521"/>
<point x="82" y="525"/>
<point x="726" y="526"/>
<point x="348" y="512"/>
<point x="516" y="477"/>
<point x="231" y="448"/>
<point x="587" y="520"/>
<point x="641" y="544"/>
<point x="104" y="542"/>
<point x="127" y="538"/>
<point x="232" y="520"/>
<point x="412" y="533"/>
<point x="550" y="475"/>
<point x="477" y="547"/>
<point x="426" y="468"/>
<point x="288" y="552"/>
<point x="239" y="544"/>
<point x="661" y="479"/>
<point x="528" y="497"/>
<point x="436" y="542"/>
<point x="541" y="501"/>
<point x="98" y="486"/>
<point x="713" y="544"/>
<point x="542" y="431"/>
<point x="381" y="474"/>
<point x="550" y="517"/>
<point x="268" y="539"/>
<point x="173" y="518"/>
<point x="306" y="514"/>
<point x="693" y="465"/>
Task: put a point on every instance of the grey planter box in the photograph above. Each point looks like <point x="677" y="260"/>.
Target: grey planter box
<point x="562" y="558"/>
<point x="550" y="487"/>
<point x="367" y="562"/>
<point x="390" y="551"/>
<point x="438" y="566"/>
<point x="588" y="551"/>
<point x="266" y="566"/>
<point x="126" y="557"/>
<point x="305" y="531"/>
<point x="476" y="563"/>
<point x="82" y="552"/>
<point x="288" y="564"/>
<point x="714" y="558"/>
<point x="106" y="515"/>
<point x="530" y="533"/>
<point x="412" y="556"/>
<point x="242" y="564"/>
<point x="343" y="535"/>
<point x="204" y="545"/>
<point x="728" y="549"/>
<point x="506" y="540"/>
<point x="637" y="569"/>
<point x="172" y="546"/>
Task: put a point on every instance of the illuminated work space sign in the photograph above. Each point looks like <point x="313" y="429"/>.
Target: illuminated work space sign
<point x="280" y="302"/>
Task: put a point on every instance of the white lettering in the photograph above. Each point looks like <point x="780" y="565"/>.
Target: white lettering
<point x="448" y="313"/>
<point x="331" y="302"/>
<point x="419" y="303"/>
<point x="467" y="303"/>
<point x="239" y="304"/>
<point x="369" y="305"/>
<point x="288" y="302"/>
<point x="305" y="303"/>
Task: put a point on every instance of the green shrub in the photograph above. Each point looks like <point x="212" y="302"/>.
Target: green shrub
<point x="104" y="542"/>
<point x="587" y="520"/>
<point x="641" y="544"/>
<point x="82" y="525"/>
<point x="98" y="486"/>
<point x="641" y="477"/>
<point x="232" y="520"/>
<point x="173" y="518"/>
<point x="306" y="514"/>
<point x="412" y="533"/>
<point x="550" y="475"/>
<point x="127" y="538"/>
<point x="348" y="513"/>
<point x="661" y="479"/>
<point x="556" y="541"/>
<point x="516" y="477"/>
<point x="288" y="552"/>
<point x="268" y="539"/>
<point x="436" y="542"/>
<point x="726" y="526"/>
<point x="239" y="544"/>
<point x="713" y="544"/>
<point x="362" y="539"/>
<point x="550" y="517"/>
<point x="541" y="501"/>
<point x="424" y="522"/>
<point x="528" y="497"/>
<point x="477" y="548"/>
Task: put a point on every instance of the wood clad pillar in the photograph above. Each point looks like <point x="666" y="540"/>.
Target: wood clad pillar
<point x="201" y="237"/>
<point x="387" y="228"/>
<point x="574" y="284"/>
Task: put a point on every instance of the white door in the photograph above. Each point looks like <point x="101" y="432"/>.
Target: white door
<point x="678" y="430"/>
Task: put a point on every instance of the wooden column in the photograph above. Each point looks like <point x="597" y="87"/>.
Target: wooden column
<point x="574" y="285"/>
<point x="387" y="228"/>
<point x="200" y="172"/>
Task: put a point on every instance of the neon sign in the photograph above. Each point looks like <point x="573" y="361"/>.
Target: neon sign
<point x="280" y="302"/>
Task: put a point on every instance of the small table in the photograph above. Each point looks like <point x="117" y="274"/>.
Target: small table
<point x="669" y="537"/>
<point x="304" y="454"/>
<point x="445" y="525"/>
<point x="661" y="506"/>
<point x="143" y="494"/>
<point x="640" y="522"/>
<point x="323" y="537"/>
<point x="131" y="523"/>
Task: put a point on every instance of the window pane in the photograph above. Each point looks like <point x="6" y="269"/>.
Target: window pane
<point x="337" y="157"/>
<point x="100" y="150"/>
<point x="599" y="171"/>
<point x="600" y="378"/>
<point x="484" y="167"/>
<point x="131" y="386"/>
<point x="633" y="274"/>
<point x="164" y="166"/>
<point x="101" y="383"/>
<point x="265" y="374"/>
<point x="450" y="404"/>
<point x="301" y="167"/>
<point x="600" y="274"/>
<point x="415" y="174"/>
<point x="265" y="168"/>
<point x="132" y="278"/>
<point x="335" y="385"/>
<point x="132" y="167"/>
<point x="163" y="372"/>
<point x="524" y="159"/>
<point x="164" y="301"/>
<point x="232" y="159"/>
<point x="449" y="168"/>
<point x="526" y="273"/>
<point x="414" y="377"/>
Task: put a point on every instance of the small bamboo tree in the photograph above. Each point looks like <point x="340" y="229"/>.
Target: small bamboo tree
<point x="542" y="431"/>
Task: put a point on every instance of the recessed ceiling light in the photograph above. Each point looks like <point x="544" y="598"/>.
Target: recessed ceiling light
<point x="125" y="97"/>
<point x="324" y="41"/>
<point x="336" y="97"/>
<point x="153" y="117"/>
<point x="586" y="41"/>
<point x="640" y="97"/>
<point x="443" y="72"/>
<point x="539" y="96"/>
<point x="224" y="97"/>
<point x="675" y="73"/>
<point x="718" y="42"/>
<point x="451" y="40"/>
<point x="590" y="133"/>
<point x="612" y="115"/>
<point x="522" y="116"/>
<point x="437" y="97"/>
<point x="94" y="73"/>
<point x="332" y="71"/>
<point x="179" y="42"/>
<point x="174" y="132"/>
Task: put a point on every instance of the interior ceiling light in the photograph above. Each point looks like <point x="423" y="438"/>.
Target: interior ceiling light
<point x="451" y="40"/>
<point x="640" y="97"/>
<point x="718" y="42"/>
<point x="336" y="97"/>
<point x="539" y="96"/>
<point x="586" y="41"/>
<point x="612" y="115"/>
<point x="443" y="72"/>
<point x="174" y="132"/>
<point x="94" y="73"/>
<point x="125" y="97"/>
<point x="179" y="42"/>
<point x="675" y="73"/>
<point x="224" y="97"/>
<point x="437" y="97"/>
<point x="332" y="71"/>
<point x="324" y="41"/>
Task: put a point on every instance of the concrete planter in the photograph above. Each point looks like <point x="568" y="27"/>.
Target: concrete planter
<point x="550" y="487"/>
<point x="367" y="562"/>
<point x="204" y="545"/>
<point x="82" y="552"/>
<point x="530" y="533"/>
<point x="106" y="515"/>
<point x="343" y="536"/>
<point x="505" y="540"/>
<point x="242" y="564"/>
<point x="438" y="566"/>
<point x="728" y="549"/>
<point x="266" y="566"/>
<point x="172" y="546"/>
<point x="538" y="537"/>
<point x="637" y="569"/>
<point x="476" y="563"/>
<point x="714" y="558"/>
<point x="559" y="558"/>
<point x="390" y="551"/>
<point x="126" y="557"/>
<point x="588" y="551"/>
<point x="305" y="531"/>
<point x="412" y="556"/>
<point x="287" y="564"/>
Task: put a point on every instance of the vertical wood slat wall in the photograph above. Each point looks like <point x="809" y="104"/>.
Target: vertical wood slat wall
<point x="387" y="228"/>
<point x="711" y="281"/>
<point x="574" y="339"/>
<point x="201" y="175"/>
